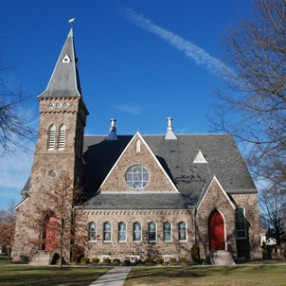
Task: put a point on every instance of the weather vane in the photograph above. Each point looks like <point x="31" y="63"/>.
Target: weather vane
<point x="71" y="21"/>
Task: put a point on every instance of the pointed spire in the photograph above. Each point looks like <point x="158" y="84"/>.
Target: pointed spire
<point x="64" y="81"/>
<point x="112" y="134"/>
<point x="170" y="131"/>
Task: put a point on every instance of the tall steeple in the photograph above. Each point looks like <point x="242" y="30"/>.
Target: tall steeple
<point x="64" y="81"/>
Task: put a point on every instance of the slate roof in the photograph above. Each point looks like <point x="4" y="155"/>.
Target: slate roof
<point x="176" y="157"/>
<point x="64" y="81"/>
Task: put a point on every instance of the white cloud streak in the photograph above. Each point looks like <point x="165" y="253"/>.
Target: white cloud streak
<point x="134" y="109"/>
<point x="192" y="51"/>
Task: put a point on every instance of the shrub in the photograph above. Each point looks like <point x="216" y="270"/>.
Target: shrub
<point x="24" y="258"/>
<point x="172" y="261"/>
<point x="95" y="260"/>
<point x="139" y="262"/>
<point x="148" y="261"/>
<point x="116" y="261"/>
<point x="106" y="261"/>
<point x="195" y="253"/>
<point x="85" y="260"/>
<point x="126" y="262"/>
<point x="77" y="253"/>
<point x="160" y="260"/>
<point x="183" y="260"/>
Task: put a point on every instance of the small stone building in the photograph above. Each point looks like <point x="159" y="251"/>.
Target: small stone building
<point x="140" y="195"/>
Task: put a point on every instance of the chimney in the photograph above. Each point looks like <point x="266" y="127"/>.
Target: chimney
<point x="112" y="131"/>
<point x="170" y="133"/>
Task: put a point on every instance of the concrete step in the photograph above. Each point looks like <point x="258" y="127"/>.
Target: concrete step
<point x="221" y="257"/>
<point x="41" y="258"/>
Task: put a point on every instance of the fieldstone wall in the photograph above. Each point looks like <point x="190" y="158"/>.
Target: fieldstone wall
<point x="144" y="248"/>
<point x="250" y="204"/>
<point x="215" y="199"/>
<point x="159" y="181"/>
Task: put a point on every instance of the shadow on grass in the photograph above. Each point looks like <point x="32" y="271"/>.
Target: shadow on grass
<point x="157" y="274"/>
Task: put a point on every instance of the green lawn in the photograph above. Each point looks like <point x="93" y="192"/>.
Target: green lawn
<point x="246" y="275"/>
<point x="25" y="275"/>
<point x="253" y="275"/>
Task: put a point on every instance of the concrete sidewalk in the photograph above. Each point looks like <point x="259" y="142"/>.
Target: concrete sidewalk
<point x="114" y="277"/>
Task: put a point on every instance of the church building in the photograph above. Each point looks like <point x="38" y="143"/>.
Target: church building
<point x="130" y="196"/>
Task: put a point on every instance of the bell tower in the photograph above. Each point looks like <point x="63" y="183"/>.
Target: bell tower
<point x="58" y="155"/>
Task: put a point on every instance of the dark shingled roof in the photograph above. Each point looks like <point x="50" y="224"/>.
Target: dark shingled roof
<point x="176" y="157"/>
<point x="64" y="81"/>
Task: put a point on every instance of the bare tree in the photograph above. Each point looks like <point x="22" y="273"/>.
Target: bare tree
<point x="14" y="129"/>
<point x="253" y="107"/>
<point x="7" y="227"/>
<point x="56" y="221"/>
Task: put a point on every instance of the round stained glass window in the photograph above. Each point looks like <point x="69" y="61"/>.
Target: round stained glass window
<point x="137" y="177"/>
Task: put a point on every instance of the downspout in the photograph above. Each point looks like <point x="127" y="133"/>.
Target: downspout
<point x="194" y="226"/>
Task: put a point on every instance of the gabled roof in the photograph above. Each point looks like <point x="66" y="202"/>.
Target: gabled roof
<point x="176" y="157"/>
<point x="64" y="81"/>
<point x="143" y="156"/>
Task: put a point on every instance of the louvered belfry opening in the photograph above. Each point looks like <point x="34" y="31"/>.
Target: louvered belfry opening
<point x="62" y="138"/>
<point x="51" y="137"/>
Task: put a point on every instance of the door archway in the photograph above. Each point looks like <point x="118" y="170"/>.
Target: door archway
<point x="50" y="234"/>
<point x="216" y="231"/>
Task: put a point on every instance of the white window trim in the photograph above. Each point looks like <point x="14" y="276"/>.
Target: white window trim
<point x="91" y="241"/>
<point x="185" y="240"/>
<point x="171" y="231"/>
<point x="240" y="230"/>
<point x="156" y="235"/>
<point x="120" y="241"/>
<point x="103" y="238"/>
<point x="137" y="222"/>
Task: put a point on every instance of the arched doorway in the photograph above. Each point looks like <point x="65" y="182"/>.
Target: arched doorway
<point x="216" y="231"/>
<point x="50" y="234"/>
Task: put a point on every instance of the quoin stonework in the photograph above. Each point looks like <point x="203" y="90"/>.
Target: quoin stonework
<point x="130" y="196"/>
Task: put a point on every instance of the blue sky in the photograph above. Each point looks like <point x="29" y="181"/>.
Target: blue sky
<point x="139" y="62"/>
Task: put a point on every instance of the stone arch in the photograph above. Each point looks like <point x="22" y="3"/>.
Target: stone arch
<point x="50" y="231"/>
<point x="216" y="226"/>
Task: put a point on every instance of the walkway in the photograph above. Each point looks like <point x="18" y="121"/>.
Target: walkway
<point x="114" y="277"/>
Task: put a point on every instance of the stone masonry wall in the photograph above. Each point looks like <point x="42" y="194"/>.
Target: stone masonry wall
<point x="123" y="250"/>
<point x="250" y="204"/>
<point x="215" y="200"/>
<point x="158" y="180"/>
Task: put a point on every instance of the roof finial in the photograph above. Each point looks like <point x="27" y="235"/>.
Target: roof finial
<point x="112" y="134"/>
<point x="170" y="133"/>
<point x="71" y="21"/>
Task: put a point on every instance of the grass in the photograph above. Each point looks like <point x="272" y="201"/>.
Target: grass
<point x="242" y="275"/>
<point x="25" y="275"/>
<point x="248" y="275"/>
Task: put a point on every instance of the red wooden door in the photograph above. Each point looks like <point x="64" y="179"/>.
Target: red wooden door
<point x="216" y="231"/>
<point x="51" y="234"/>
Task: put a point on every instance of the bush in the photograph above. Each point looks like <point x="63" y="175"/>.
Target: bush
<point x="116" y="261"/>
<point x="85" y="260"/>
<point x="195" y="253"/>
<point x="183" y="260"/>
<point x="106" y="261"/>
<point x="95" y="260"/>
<point x="172" y="261"/>
<point x="148" y="261"/>
<point x="77" y="253"/>
<point x="24" y="258"/>
<point x="126" y="262"/>
<point x="160" y="260"/>
<point x="139" y="262"/>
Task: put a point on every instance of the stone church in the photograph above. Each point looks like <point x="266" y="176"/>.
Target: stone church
<point x="139" y="195"/>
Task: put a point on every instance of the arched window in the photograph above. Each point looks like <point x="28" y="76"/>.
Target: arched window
<point x="92" y="231"/>
<point x="51" y="137"/>
<point x="107" y="231"/>
<point x="240" y="224"/>
<point x="152" y="232"/>
<point x="167" y="231"/>
<point x="62" y="138"/>
<point x="122" y="231"/>
<point x="138" y="146"/>
<point x="182" y="231"/>
<point x="137" y="234"/>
